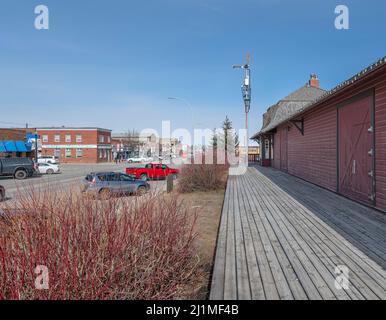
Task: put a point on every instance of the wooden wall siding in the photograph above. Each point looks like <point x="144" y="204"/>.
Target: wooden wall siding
<point x="313" y="156"/>
<point x="380" y="140"/>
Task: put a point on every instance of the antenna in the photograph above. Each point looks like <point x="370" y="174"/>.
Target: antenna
<point x="246" y="87"/>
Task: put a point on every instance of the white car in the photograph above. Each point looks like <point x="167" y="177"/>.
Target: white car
<point x="48" y="159"/>
<point x="137" y="160"/>
<point x="46" y="168"/>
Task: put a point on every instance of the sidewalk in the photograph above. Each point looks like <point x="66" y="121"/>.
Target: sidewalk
<point x="283" y="238"/>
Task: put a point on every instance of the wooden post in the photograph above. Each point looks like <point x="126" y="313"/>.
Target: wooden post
<point x="169" y="183"/>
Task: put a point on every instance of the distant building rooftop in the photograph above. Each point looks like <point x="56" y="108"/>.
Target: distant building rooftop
<point x="73" y="128"/>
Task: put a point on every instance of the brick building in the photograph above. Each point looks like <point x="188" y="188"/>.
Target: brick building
<point x="76" y="145"/>
<point x="132" y="144"/>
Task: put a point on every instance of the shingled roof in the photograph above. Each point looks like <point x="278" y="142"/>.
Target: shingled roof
<point x="289" y="107"/>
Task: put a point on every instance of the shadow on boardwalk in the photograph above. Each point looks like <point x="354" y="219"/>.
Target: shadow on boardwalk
<point x="283" y="238"/>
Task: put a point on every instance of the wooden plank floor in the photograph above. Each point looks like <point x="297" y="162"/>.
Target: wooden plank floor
<point x="282" y="238"/>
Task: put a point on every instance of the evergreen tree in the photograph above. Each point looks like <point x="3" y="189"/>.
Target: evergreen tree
<point x="228" y="136"/>
<point x="214" y="139"/>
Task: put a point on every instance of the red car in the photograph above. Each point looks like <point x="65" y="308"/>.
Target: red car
<point x="154" y="171"/>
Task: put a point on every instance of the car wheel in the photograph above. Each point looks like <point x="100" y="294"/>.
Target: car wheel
<point x="144" y="177"/>
<point x="130" y="161"/>
<point x="20" y="174"/>
<point x="50" y="171"/>
<point x="104" y="194"/>
<point x="141" y="191"/>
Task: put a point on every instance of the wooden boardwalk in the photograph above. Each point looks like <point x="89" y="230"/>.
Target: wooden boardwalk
<point x="282" y="238"/>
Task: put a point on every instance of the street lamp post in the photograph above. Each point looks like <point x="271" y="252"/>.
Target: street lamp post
<point x="186" y="102"/>
<point x="36" y="146"/>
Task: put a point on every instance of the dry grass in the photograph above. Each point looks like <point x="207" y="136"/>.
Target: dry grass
<point x="208" y="205"/>
<point x="209" y="214"/>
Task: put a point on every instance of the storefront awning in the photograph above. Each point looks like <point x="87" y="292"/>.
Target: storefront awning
<point x="2" y="147"/>
<point x="14" y="146"/>
<point x="10" y="146"/>
<point x="21" y="147"/>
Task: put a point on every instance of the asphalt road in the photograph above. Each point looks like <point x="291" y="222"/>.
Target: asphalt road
<point x="70" y="177"/>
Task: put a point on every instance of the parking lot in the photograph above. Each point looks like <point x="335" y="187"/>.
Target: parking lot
<point x="70" y="177"/>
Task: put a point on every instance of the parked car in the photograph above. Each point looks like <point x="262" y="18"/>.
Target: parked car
<point x="154" y="171"/>
<point x="137" y="160"/>
<point x="2" y="193"/>
<point x="106" y="184"/>
<point x="48" y="159"/>
<point x="19" y="168"/>
<point x="45" y="168"/>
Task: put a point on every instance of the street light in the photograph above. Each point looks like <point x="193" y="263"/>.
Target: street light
<point x="192" y="115"/>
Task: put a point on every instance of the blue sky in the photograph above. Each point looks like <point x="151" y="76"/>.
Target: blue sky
<point x="114" y="63"/>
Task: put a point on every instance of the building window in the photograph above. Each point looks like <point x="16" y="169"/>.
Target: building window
<point x="57" y="153"/>
<point x="68" y="153"/>
<point x="78" y="138"/>
<point x="100" y="154"/>
<point x="108" y="139"/>
<point x="68" y="138"/>
<point x="79" y="153"/>
<point x="45" y="137"/>
<point x="101" y="138"/>
<point x="57" y="138"/>
<point x="267" y="151"/>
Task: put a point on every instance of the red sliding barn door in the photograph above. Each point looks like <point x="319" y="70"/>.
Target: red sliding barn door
<point x="355" y="150"/>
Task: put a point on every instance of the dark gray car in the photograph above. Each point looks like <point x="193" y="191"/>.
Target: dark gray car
<point x="2" y="193"/>
<point x="107" y="184"/>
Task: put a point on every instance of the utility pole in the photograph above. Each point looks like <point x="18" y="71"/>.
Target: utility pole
<point x="36" y="146"/>
<point x="246" y="92"/>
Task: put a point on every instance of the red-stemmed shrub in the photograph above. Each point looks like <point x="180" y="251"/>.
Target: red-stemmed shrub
<point x="121" y="248"/>
<point x="203" y="177"/>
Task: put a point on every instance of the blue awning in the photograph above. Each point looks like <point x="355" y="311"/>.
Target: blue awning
<point x="2" y="147"/>
<point x="10" y="146"/>
<point x="20" y="146"/>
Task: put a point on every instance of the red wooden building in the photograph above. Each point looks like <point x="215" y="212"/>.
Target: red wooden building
<point x="337" y="139"/>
